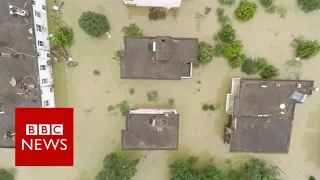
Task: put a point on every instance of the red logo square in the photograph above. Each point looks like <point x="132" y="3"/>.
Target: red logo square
<point x="44" y="137"/>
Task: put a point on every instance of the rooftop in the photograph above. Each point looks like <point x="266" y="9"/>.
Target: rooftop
<point x="14" y="33"/>
<point x="151" y="131"/>
<point x="158" y="57"/>
<point x="262" y="113"/>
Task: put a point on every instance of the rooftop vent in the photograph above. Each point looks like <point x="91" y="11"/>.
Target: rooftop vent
<point x="282" y="106"/>
<point x="298" y="85"/>
<point x="300" y="97"/>
<point x="154" y="46"/>
<point x="263" y="86"/>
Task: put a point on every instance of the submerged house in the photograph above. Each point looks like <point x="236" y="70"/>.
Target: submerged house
<point x="161" y="57"/>
<point x="154" y="3"/>
<point x="261" y="113"/>
<point x="151" y="129"/>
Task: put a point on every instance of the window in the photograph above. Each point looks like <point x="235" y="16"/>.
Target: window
<point x="51" y="89"/>
<point x="46" y="103"/>
<point x="37" y="14"/>
<point x="40" y="43"/>
<point x="39" y="28"/>
<point x="43" y="67"/>
<point x="33" y="2"/>
<point x="48" y="54"/>
<point x="44" y="81"/>
<point x="43" y="7"/>
<point x="38" y="54"/>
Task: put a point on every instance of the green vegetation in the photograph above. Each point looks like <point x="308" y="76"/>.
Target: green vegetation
<point x="237" y="61"/>
<point x="117" y="167"/>
<point x="153" y="96"/>
<point x="96" y="72"/>
<point x="132" y="30"/>
<point x="63" y="36"/>
<point x="282" y="11"/>
<point x="222" y="18"/>
<point x="249" y="66"/>
<point x="256" y="169"/>
<point x="123" y="107"/>
<point x="171" y="101"/>
<point x="110" y="108"/>
<point x="218" y="49"/>
<point x="205" y="54"/>
<point x="266" y="3"/>
<point x="131" y="91"/>
<point x="207" y="10"/>
<point x="269" y="72"/>
<point x="118" y="55"/>
<point x="211" y="107"/>
<point x="312" y="178"/>
<point x="271" y="9"/>
<point x="6" y="174"/>
<point x="227" y="34"/>
<point x="305" y="49"/>
<point x="232" y="50"/>
<point x="246" y="10"/>
<point x="308" y="5"/>
<point x="227" y="2"/>
<point x="94" y="24"/>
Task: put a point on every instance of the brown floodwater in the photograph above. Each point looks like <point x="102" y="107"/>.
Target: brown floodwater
<point x="98" y="132"/>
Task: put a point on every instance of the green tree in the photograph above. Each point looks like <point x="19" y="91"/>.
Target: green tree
<point x="308" y="5"/>
<point x="227" y="34"/>
<point x="94" y="24"/>
<point x="183" y="170"/>
<point x="258" y="169"/>
<point x="246" y="10"/>
<point x="218" y="49"/>
<point x="312" y="178"/>
<point x="6" y="174"/>
<point x="63" y="36"/>
<point x="249" y="66"/>
<point x="232" y="50"/>
<point x="205" y="54"/>
<point x="269" y="72"/>
<point x="117" y="167"/>
<point x="305" y="49"/>
<point x="261" y="63"/>
<point x="266" y="3"/>
<point x="132" y="30"/>
<point x="237" y="61"/>
<point x="222" y="18"/>
<point x="227" y="2"/>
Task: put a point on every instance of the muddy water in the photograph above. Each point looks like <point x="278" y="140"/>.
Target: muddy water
<point x="98" y="132"/>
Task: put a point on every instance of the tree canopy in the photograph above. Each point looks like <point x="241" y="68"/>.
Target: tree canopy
<point x="269" y="72"/>
<point x="305" y="49"/>
<point x="205" y="54"/>
<point x="63" y="36"/>
<point x="246" y="10"/>
<point x="256" y="169"/>
<point x="308" y="5"/>
<point x="117" y="167"/>
<point x="6" y="174"/>
<point x="94" y="24"/>
<point x="132" y="30"/>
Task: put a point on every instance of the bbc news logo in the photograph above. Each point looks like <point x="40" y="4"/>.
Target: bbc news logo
<point x="44" y="137"/>
<point x="44" y="130"/>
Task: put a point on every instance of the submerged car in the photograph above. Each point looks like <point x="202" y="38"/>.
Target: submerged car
<point x="15" y="11"/>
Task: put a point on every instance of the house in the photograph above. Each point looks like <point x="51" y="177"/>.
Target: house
<point x="151" y="129"/>
<point x="154" y="3"/>
<point x="160" y="57"/>
<point x="26" y="77"/>
<point x="262" y="112"/>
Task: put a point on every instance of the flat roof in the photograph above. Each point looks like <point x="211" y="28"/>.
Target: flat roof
<point x="259" y="124"/>
<point x="14" y="33"/>
<point x="166" y="62"/>
<point x="140" y="133"/>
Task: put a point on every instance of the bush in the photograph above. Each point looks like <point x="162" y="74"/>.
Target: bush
<point x="246" y="10"/>
<point x="205" y="54"/>
<point x="123" y="107"/>
<point x="205" y="107"/>
<point x="63" y="36"/>
<point x="312" y="178"/>
<point x="305" y="49"/>
<point x="94" y="24"/>
<point x="249" y="66"/>
<point x="232" y="50"/>
<point x="255" y="170"/>
<point x="117" y="167"/>
<point x="153" y="96"/>
<point x="218" y="49"/>
<point x="227" y="2"/>
<point x="6" y="174"/>
<point x="269" y="72"/>
<point x="309" y="5"/>
<point x="271" y="9"/>
<point x="266" y="3"/>
<point x="261" y="63"/>
<point x="237" y="61"/>
<point x="227" y="34"/>
<point x="222" y="18"/>
<point x="132" y="30"/>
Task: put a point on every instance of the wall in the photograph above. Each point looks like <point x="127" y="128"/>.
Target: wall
<point x="154" y="3"/>
<point x="43" y="51"/>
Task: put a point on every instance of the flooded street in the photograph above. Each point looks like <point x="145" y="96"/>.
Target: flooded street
<point x="97" y="132"/>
